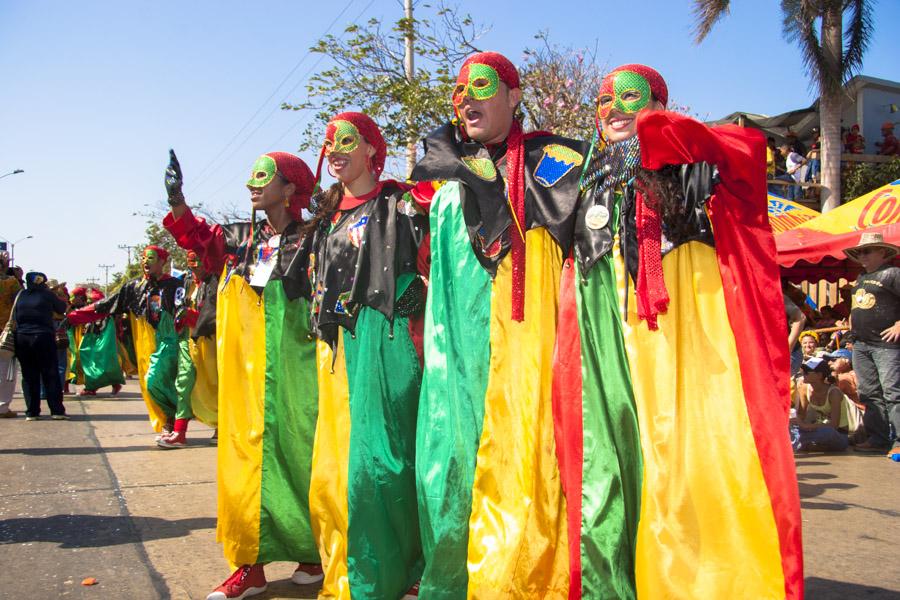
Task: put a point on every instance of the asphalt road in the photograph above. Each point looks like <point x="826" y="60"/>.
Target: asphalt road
<point x="94" y="497"/>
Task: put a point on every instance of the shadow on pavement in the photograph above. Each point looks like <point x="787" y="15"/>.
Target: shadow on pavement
<point x="827" y="589"/>
<point x="92" y="531"/>
<point x="82" y="450"/>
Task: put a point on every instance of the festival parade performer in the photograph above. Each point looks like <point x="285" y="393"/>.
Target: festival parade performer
<point x="678" y="475"/>
<point x="367" y="292"/>
<point x="98" y="352"/>
<point x="268" y="394"/>
<point x="491" y="510"/>
<point x="201" y="288"/>
<point x="74" y="374"/>
<point x="152" y="304"/>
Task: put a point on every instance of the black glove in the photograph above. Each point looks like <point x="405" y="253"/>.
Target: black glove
<point x="174" y="181"/>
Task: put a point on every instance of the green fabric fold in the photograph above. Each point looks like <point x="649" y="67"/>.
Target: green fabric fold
<point x="100" y="357"/>
<point x="451" y="406"/>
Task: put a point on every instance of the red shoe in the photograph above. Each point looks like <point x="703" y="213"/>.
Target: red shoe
<point x="413" y="592"/>
<point x="87" y="392"/>
<point x="307" y="573"/>
<point x="245" y="582"/>
<point x="175" y="440"/>
<point x="66" y="389"/>
<point x="116" y="389"/>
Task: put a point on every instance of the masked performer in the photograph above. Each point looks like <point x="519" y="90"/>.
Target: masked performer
<point x="268" y="398"/>
<point x="679" y="477"/>
<point x="152" y="303"/>
<point x="201" y="288"/>
<point x="487" y="473"/>
<point x="98" y="353"/>
<point x="366" y="288"/>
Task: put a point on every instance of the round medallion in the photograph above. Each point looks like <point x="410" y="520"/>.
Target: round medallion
<point x="596" y="217"/>
<point x="274" y="241"/>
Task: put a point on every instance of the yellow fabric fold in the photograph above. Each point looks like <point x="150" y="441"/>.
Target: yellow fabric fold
<point x="517" y="530"/>
<point x="706" y="527"/>
<point x="145" y="345"/>
<point x="241" y="354"/>
<point x="328" y="487"/>
<point x="204" y="396"/>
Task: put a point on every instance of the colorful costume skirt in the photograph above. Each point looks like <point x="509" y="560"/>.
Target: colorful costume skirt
<point x="490" y="504"/>
<point x="363" y="492"/>
<point x="99" y="355"/>
<point x="267" y="418"/>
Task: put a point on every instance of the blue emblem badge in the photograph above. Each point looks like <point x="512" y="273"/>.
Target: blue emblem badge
<point x="555" y="163"/>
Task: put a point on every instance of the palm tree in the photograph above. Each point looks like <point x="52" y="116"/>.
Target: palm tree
<point x="832" y="54"/>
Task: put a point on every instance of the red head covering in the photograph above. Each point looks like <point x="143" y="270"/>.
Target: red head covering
<point x="79" y="291"/>
<point x="366" y="128"/>
<point x="295" y="170"/>
<point x="505" y="69"/>
<point x="96" y="295"/>
<point x="657" y="84"/>
<point x="161" y="252"/>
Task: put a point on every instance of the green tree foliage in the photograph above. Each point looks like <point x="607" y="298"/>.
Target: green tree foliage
<point x="368" y="75"/>
<point x="866" y="177"/>
<point x="559" y="88"/>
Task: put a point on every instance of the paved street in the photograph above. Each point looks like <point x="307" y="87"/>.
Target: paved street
<point x="94" y="497"/>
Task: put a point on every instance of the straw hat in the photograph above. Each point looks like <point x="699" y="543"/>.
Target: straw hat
<point x="53" y="284"/>
<point x="872" y="240"/>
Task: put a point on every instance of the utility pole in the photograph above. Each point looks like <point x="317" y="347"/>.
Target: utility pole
<point x="409" y="69"/>
<point x="106" y="285"/>
<point x="92" y="280"/>
<point x="127" y="249"/>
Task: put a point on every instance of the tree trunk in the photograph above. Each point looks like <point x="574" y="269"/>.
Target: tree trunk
<point x="831" y="93"/>
<point x="409" y="69"/>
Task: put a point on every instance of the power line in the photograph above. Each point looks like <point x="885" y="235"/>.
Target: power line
<point x="309" y="71"/>
<point x="200" y="176"/>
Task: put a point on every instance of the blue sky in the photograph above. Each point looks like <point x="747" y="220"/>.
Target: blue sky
<point x="95" y="92"/>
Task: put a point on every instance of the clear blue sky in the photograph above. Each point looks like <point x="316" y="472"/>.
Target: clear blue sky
<point x="94" y="93"/>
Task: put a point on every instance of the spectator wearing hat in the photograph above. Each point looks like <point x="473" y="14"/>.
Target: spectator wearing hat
<point x="875" y="325"/>
<point x="822" y="410"/>
<point x="9" y="289"/>
<point x="889" y="145"/>
<point x="842" y="371"/>
<point x="36" y="345"/>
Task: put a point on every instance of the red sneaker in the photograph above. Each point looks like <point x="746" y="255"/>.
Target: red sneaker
<point x="116" y="389"/>
<point x="87" y="392"/>
<point x="245" y="582"/>
<point x="307" y="573"/>
<point x="413" y="592"/>
<point x="176" y="439"/>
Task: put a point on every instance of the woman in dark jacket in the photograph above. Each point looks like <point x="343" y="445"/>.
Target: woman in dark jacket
<point x="36" y="345"/>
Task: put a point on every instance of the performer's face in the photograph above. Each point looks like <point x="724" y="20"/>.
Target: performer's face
<point x="194" y="264"/>
<point x="78" y="301"/>
<point x="268" y="188"/>
<point x="484" y="104"/>
<point x="622" y="95"/>
<point x="347" y="152"/>
<point x="808" y="345"/>
<point x="151" y="263"/>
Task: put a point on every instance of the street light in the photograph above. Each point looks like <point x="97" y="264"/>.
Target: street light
<point x="14" y="172"/>
<point x="12" y="254"/>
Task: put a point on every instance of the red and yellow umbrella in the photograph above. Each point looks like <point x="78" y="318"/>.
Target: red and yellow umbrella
<point x="785" y="214"/>
<point x="814" y="249"/>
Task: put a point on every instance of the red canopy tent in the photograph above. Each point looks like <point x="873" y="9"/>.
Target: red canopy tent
<point x="814" y="250"/>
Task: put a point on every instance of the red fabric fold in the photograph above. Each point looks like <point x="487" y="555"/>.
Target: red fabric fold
<point x="650" y="288"/>
<point x="515" y="174"/>
<point x="194" y="233"/>
<point x="88" y="314"/>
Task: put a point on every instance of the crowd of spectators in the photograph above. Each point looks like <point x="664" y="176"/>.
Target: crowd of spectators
<point x="845" y="359"/>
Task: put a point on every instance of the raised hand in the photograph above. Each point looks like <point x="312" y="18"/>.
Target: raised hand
<point x="174" y="181"/>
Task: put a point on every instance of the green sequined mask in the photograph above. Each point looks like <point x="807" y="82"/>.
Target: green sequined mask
<point x="263" y="172"/>
<point x="625" y="91"/>
<point x="341" y="137"/>
<point x="476" y="81"/>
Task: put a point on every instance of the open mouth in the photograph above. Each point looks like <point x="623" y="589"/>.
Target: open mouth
<point x="472" y="116"/>
<point x="338" y="162"/>
<point x="620" y="123"/>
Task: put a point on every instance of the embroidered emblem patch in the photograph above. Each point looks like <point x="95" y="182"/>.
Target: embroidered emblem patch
<point x="555" y="163"/>
<point x="357" y="230"/>
<point x="482" y="167"/>
<point x="340" y="306"/>
<point x="490" y="250"/>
